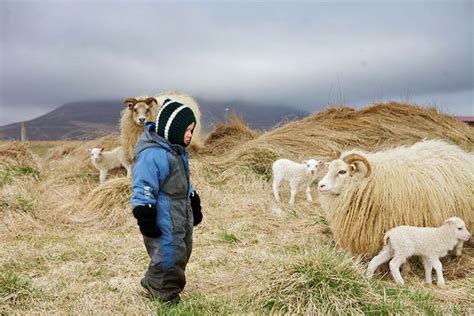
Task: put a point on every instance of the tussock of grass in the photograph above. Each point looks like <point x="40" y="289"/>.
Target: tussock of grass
<point x="109" y="203"/>
<point x="226" y="136"/>
<point x="321" y="281"/>
<point x="325" y="280"/>
<point x="16" y="291"/>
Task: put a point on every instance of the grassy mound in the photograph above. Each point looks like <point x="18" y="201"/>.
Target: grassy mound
<point x="325" y="134"/>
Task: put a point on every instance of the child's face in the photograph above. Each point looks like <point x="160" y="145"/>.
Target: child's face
<point x="188" y="134"/>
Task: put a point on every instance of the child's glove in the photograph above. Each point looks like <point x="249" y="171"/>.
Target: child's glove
<point x="146" y="220"/>
<point x="196" y="206"/>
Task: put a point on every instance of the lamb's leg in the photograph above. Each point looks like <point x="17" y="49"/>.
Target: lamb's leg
<point x="308" y="195"/>
<point x="103" y="175"/>
<point x="428" y="269"/>
<point x="384" y="255"/>
<point x="294" y="190"/>
<point x="395" y="264"/>
<point x="458" y="249"/>
<point x="276" y="186"/>
<point x="439" y="271"/>
<point x="129" y="170"/>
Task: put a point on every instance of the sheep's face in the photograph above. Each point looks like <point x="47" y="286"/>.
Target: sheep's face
<point x="459" y="228"/>
<point x="340" y="170"/>
<point x="96" y="154"/>
<point x="335" y="178"/>
<point x="141" y="109"/>
<point x="312" y="166"/>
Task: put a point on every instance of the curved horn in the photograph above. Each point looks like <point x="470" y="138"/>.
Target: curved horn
<point x="129" y="100"/>
<point x="150" y="100"/>
<point x="356" y="157"/>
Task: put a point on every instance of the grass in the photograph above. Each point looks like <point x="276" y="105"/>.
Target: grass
<point x="12" y="171"/>
<point x="228" y="237"/>
<point x="16" y="291"/>
<point x="72" y="246"/>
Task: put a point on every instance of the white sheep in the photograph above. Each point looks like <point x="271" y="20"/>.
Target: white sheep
<point x="144" y="109"/>
<point x="365" y="194"/>
<point x="296" y="174"/>
<point x="431" y="243"/>
<point x="106" y="160"/>
<point x="132" y="122"/>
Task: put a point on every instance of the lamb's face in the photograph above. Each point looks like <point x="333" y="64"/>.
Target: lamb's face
<point x="335" y="178"/>
<point x="96" y="154"/>
<point x="312" y="166"/>
<point x="141" y="109"/>
<point x="459" y="228"/>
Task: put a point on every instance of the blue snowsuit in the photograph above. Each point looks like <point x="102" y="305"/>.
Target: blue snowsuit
<point x="161" y="179"/>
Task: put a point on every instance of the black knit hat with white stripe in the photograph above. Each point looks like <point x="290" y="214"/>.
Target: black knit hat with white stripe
<point x="172" y="121"/>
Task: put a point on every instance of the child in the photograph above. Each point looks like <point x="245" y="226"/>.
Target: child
<point x="164" y="202"/>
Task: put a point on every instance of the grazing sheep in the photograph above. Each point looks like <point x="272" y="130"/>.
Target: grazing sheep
<point x="145" y="109"/>
<point x="366" y="194"/>
<point x="296" y="174"/>
<point x="106" y="160"/>
<point x="431" y="243"/>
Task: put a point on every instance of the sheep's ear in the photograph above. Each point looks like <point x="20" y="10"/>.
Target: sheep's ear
<point x="89" y="150"/>
<point x="353" y="168"/>
<point x="356" y="161"/>
<point x="101" y="149"/>
<point x="304" y="161"/>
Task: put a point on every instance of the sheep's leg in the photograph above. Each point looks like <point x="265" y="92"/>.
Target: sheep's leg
<point x="439" y="272"/>
<point x="129" y="170"/>
<point x="103" y="175"/>
<point x="308" y="195"/>
<point x="276" y="186"/>
<point x="428" y="269"/>
<point x="384" y="255"/>
<point x="294" y="190"/>
<point x="395" y="264"/>
<point x="458" y="249"/>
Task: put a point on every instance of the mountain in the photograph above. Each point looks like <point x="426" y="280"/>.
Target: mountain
<point x="92" y="119"/>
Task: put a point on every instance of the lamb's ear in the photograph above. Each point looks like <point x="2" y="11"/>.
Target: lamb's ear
<point x="449" y="221"/>
<point x="101" y="149"/>
<point x="89" y="150"/>
<point x="305" y="161"/>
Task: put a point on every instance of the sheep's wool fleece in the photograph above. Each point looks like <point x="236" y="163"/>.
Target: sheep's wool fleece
<point x="418" y="185"/>
<point x="172" y="121"/>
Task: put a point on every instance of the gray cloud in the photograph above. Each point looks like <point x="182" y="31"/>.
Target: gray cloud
<point x="305" y="54"/>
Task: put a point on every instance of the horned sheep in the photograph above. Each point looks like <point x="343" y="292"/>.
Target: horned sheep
<point x="106" y="160"/>
<point x="431" y="243"/>
<point x="144" y="109"/>
<point x="296" y="174"/>
<point x="366" y="194"/>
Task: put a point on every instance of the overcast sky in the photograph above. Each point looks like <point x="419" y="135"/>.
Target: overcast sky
<point x="305" y="54"/>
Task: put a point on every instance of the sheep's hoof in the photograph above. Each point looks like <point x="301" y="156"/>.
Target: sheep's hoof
<point x="441" y="284"/>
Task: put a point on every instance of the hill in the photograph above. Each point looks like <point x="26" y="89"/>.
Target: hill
<point x="92" y="119"/>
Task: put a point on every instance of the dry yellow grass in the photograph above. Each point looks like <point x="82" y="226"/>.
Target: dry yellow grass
<point x="70" y="246"/>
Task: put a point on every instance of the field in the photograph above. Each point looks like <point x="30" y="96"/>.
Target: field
<point x="72" y="246"/>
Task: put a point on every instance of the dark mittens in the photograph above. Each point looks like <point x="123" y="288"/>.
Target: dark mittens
<point x="146" y="220"/>
<point x="196" y="206"/>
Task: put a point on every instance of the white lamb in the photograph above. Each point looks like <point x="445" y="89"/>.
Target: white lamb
<point x="106" y="160"/>
<point x="296" y="174"/>
<point x="431" y="243"/>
